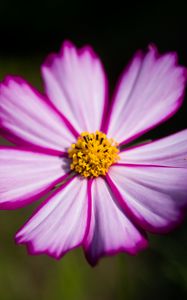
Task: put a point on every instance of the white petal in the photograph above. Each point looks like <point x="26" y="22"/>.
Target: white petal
<point x="76" y="83"/>
<point x="169" y="151"/>
<point x="60" y="224"/>
<point x="111" y="231"/>
<point x="150" y="91"/>
<point x="25" y="176"/>
<point x="154" y="197"/>
<point x="28" y="118"/>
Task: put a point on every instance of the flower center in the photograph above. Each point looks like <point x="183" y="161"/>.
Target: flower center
<point x="93" y="154"/>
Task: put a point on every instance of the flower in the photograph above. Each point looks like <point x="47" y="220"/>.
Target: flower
<point x="106" y="196"/>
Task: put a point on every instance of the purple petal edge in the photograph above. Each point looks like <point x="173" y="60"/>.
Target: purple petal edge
<point x="93" y="261"/>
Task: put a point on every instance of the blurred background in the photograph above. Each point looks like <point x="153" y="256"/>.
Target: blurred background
<point x="29" y="30"/>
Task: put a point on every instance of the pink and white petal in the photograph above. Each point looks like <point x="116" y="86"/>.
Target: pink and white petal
<point x="27" y="118"/>
<point x="153" y="197"/>
<point x="76" y="83"/>
<point x="149" y="92"/>
<point x="59" y="225"/>
<point x="111" y="231"/>
<point x="169" y="151"/>
<point x="26" y="175"/>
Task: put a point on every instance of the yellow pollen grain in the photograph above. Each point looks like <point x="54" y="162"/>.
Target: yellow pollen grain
<point x="93" y="154"/>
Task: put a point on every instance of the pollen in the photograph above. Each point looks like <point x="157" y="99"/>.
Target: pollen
<point x="93" y="154"/>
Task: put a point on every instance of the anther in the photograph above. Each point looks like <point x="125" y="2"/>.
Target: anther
<point x="90" y="158"/>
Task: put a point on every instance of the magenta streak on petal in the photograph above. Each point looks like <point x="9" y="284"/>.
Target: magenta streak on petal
<point x="18" y="204"/>
<point x="107" y="119"/>
<point x="106" y="106"/>
<point x="134" y="146"/>
<point x="143" y="223"/>
<point x="143" y="165"/>
<point x="30" y="246"/>
<point x="29" y="149"/>
<point x="89" y="213"/>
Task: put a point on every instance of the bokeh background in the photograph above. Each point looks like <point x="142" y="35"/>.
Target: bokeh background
<point x="28" y="31"/>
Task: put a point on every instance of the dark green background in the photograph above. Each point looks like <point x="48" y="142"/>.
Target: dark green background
<point x="28" y="31"/>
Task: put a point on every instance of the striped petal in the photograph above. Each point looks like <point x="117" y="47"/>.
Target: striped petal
<point x="26" y="175"/>
<point x="59" y="225"/>
<point x="170" y="151"/>
<point x="153" y="197"/>
<point x="75" y="82"/>
<point x="27" y="118"/>
<point x="111" y="231"/>
<point x="150" y="91"/>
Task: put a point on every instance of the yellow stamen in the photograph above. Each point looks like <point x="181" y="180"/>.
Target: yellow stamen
<point x="93" y="154"/>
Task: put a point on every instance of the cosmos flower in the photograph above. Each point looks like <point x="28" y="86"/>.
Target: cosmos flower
<point x="70" y="142"/>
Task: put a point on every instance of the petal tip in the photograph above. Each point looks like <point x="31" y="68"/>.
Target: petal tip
<point x="94" y="260"/>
